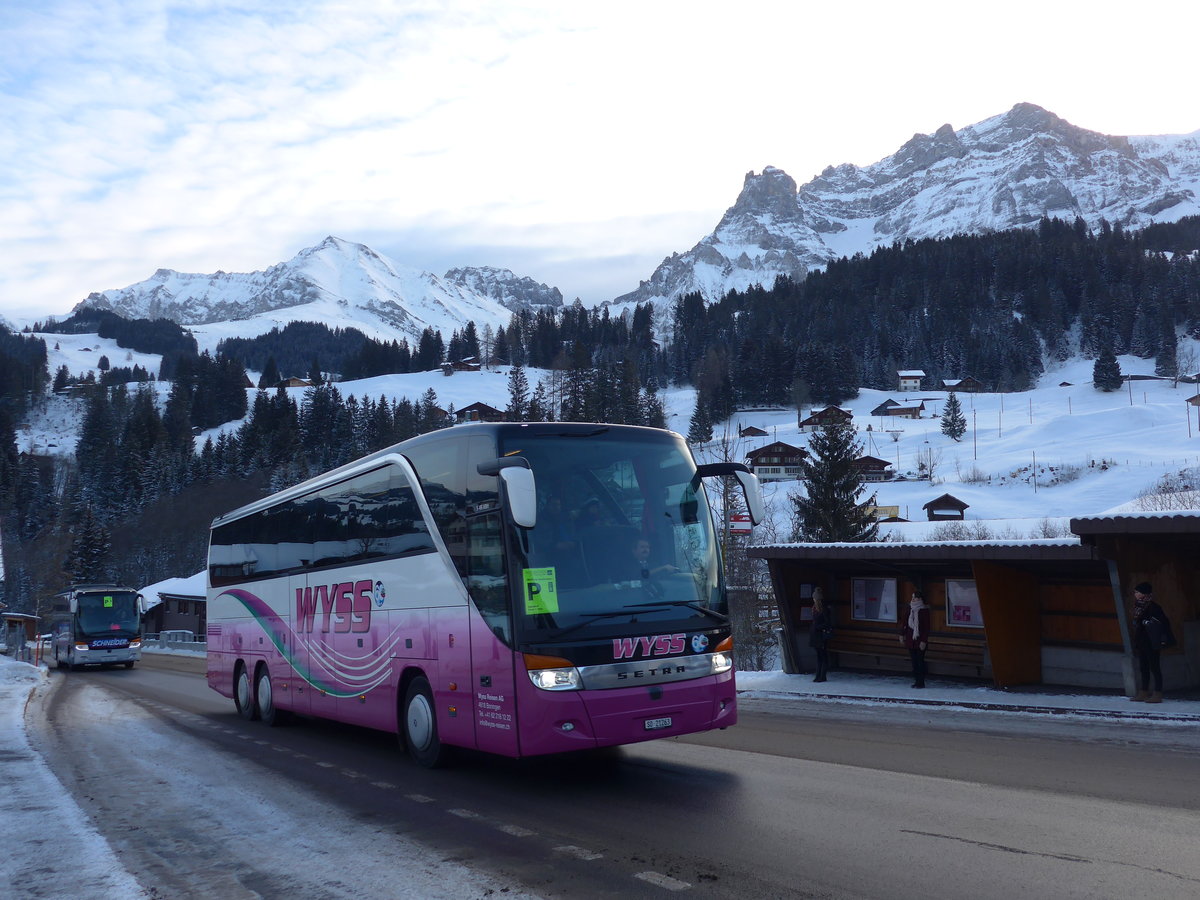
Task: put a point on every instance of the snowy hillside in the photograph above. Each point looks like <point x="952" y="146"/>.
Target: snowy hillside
<point x="1093" y="451"/>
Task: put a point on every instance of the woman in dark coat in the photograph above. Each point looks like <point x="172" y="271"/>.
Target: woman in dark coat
<point x="1149" y="621"/>
<point x="819" y="633"/>
<point x="915" y="636"/>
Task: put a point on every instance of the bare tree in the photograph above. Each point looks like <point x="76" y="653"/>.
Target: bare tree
<point x="753" y="613"/>
<point x="1186" y="362"/>
<point x="929" y="461"/>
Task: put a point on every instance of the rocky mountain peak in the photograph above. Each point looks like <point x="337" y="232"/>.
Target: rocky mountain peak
<point x="507" y="289"/>
<point x="925" y="150"/>
<point x="1004" y="172"/>
<point x="1027" y="120"/>
<point x="773" y="191"/>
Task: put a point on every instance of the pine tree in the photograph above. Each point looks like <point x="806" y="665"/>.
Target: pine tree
<point x="700" y="429"/>
<point x="270" y="374"/>
<point x="539" y="404"/>
<point x="954" y="423"/>
<point x="89" y="553"/>
<point x="1166" y="363"/>
<point x="500" y="349"/>
<point x="518" y="395"/>
<point x="830" y="510"/>
<point x="1106" y="373"/>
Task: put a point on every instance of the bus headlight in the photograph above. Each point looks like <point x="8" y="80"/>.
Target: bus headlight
<point x="135" y="644"/>
<point x="552" y="673"/>
<point x="721" y="662"/>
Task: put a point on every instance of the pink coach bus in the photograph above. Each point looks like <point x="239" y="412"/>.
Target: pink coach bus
<point x="520" y="589"/>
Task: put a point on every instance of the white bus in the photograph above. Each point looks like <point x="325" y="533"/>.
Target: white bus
<point x="516" y="588"/>
<point x="97" y="625"/>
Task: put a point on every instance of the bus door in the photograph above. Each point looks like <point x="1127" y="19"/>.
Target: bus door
<point x="492" y="658"/>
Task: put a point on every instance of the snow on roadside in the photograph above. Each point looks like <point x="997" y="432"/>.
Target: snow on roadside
<point x="40" y="824"/>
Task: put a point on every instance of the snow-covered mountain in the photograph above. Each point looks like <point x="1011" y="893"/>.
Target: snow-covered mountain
<point x="338" y="283"/>
<point x="1005" y="172"/>
<point x="510" y="291"/>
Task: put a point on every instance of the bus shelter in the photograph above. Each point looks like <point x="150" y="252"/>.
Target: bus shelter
<point x="1012" y="612"/>
<point x="1048" y="611"/>
<point x="20" y="634"/>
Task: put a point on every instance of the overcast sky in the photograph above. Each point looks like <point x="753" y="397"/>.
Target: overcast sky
<point x="577" y="143"/>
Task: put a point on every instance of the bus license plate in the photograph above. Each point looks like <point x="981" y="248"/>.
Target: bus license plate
<point x="654" y="724"/>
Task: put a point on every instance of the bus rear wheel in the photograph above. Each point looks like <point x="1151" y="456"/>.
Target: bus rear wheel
<point x="420" y="725"/>
<point x="243" y="694"/>
<point x="264" y="699"/>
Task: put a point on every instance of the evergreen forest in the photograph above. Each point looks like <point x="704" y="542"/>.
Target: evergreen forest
<point x="134" y="503"/>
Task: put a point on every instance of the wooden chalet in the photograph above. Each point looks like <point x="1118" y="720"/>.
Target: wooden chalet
<point x="177" y="610"/>
<point x="480" y="412"/>
<point x="777" y="462"/>
<point x="872" y="468"/>
<point x="830" y="415"/>
<point x="882" y="408"/>
<point x="471" y="364"/>
<point x="967" y="385"/>
<point x="910" y="379"/>
<point x="751" y="431"/>
<point x="906" y="410"/>
<point x="945" y="508"/>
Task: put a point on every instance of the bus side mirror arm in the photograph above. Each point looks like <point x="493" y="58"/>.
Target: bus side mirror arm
<point x="747" y="479"/>
<point x="520" y="490"/>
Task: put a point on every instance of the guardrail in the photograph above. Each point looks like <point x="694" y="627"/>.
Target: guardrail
<point x="166" y="641"/>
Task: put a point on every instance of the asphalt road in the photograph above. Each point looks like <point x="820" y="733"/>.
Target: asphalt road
<point x="800" y="799"/>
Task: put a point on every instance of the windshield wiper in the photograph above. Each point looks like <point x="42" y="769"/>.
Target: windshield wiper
<point x="610" y="614"/>
<point x="690" y="604"/>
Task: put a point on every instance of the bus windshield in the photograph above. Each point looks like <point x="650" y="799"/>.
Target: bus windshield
<point x="110" y="613"/>
<point x="623" y="535"/>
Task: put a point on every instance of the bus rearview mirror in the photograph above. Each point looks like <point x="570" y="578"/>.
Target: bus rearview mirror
<point x="521" y="492"/>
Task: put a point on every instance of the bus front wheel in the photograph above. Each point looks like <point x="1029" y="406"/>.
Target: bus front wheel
<point x="420" y="725"/>
<point x="243" y="694"/>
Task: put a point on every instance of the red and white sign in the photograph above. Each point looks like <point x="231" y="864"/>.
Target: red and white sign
<point x="739" y="523"/>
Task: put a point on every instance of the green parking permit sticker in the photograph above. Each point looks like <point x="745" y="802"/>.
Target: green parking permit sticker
<point x="541" y="591"/>
<point x="107" y="602"/>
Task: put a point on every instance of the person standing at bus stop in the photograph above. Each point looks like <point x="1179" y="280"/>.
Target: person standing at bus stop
<point x="820" y="633"/>
<point x="915" y="636"/>
<point x="1149" y="628"/>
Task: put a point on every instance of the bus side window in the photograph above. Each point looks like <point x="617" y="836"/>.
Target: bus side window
<point x="487" y="582"/>
<point x="439" y="466"/>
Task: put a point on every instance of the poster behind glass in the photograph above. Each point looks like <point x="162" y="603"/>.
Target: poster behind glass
<point x="874" y="599"/>
<point x="962" y="605"/>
